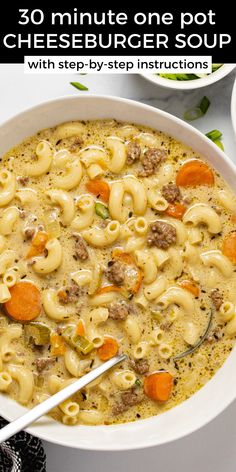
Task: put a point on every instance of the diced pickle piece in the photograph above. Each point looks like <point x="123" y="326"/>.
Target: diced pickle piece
<point x="81" y="344"/>
<point x="102" y="211"/>
<point x="52" y="224"/>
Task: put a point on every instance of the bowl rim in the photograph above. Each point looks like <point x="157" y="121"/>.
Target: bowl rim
<point x="220" y="406"/>
<point x="233" y="107"/>
<point x="224" y="70"/>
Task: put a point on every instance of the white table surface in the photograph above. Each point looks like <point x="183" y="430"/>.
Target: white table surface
<point x="213" y="448"/>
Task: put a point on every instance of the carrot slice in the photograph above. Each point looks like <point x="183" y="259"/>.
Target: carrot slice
<point x="129" y="260"/>
<point x="63" y="295"/>
<point x="38" y="244"/>
<point x="123" y="256"/>
<point x="25" y="302"/>
<point x="176" y="210"/>
<point x="80" y="328"/>
<point x="158" y="386"/>
<point x="194" y="172"/>
<point x="108" y="349"/>
<point x="58" y="347"/>
<point x="190" y="286"/>
<point x="229" y="246"/>
<point x="99" y="188"/>
<point x="108" y="288"/>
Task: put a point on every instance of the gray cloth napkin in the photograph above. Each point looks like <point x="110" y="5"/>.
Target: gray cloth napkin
<point x="22" y="453"/>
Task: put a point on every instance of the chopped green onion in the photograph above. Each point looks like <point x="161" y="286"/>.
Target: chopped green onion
<point x="138" y="383"/>
<point x="214" y="134"/>
<point x="156" y="314"/>
<point x="214" y="68"/>
<point x="193" y="114"/>
<point x="81" y="344"/>
<point x="67" y="334"/>
<point x="197" y="111"/>
<point x="199" y="76"/>
<point x="102" y="211"/>
<point x="179" y="76"/>
<point x="79" y="86"/>
<point x="199" y="343"/>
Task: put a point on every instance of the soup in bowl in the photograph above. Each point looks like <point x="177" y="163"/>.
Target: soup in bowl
<point x="116" y="236"/>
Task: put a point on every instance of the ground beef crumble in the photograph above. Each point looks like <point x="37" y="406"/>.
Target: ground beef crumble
<point x="23" y="181"/>
<point x="118" y="311"/>
<point x="116" y="272"/>
<point x="69" y="294"/>
<point x="43" y="362"/>
<point x="216" y="298"/>
<point x="81" y="251"/>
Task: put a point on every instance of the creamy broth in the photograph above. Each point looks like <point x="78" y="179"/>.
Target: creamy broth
<point x="51" y="194"/>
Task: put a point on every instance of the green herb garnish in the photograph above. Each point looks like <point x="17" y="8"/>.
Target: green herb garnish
<point x="197" y="111"/>
<point x="199" y="343"/>
<point x="79" y="86"/>
<point x="219" y="144"/>
<point x="38" y="332"/>
<point x="204" y="104"/>
<point x="215" y="135"/>
<point x="81" y="344"/>
<point x="214" y="68"/>
<point x="138" y="383"/>
<point x="178" y="76"/>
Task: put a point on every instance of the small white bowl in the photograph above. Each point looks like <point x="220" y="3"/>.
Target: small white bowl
<point x="233" y="107"/>
<point x="190" y="84"/>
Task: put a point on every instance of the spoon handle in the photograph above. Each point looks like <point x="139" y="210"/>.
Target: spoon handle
<point x="42" y="408"/>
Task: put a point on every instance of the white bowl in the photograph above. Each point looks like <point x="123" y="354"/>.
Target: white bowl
<point x="190" y="84"/>
<point x="214" y="397"/>
<point x="233" y="107"/>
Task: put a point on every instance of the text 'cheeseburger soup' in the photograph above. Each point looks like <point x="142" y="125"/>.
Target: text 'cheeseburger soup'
<point x="114" y="238"/>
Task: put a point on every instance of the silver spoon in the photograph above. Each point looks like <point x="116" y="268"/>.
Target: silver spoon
<point x="35" y="413"/>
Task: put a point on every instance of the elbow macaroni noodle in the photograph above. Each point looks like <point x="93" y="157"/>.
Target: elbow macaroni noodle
<point x="8" y="220"/>
<point x="7" y="187"/>
<point x="203" y="214"/>
<point x="72" y="177"/>
<point x="65" y="203"/>
<point x="46" y="265"/>
<point x="85" y="204"/>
